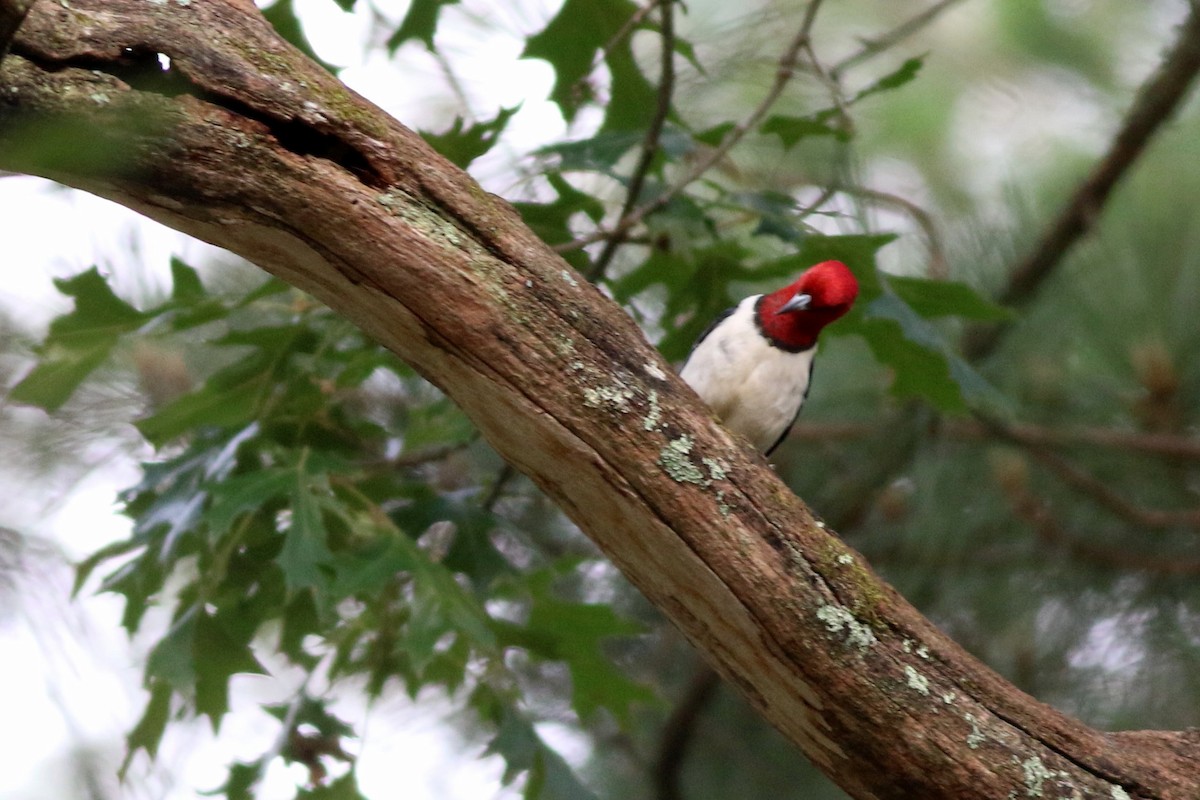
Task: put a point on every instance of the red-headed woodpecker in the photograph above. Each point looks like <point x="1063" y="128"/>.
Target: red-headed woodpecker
<point x="752" y="366"/>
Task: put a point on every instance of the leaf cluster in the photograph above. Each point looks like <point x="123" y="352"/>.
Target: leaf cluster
<point x="293" y="527"/>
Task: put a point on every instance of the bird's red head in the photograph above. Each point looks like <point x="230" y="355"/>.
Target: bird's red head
<point x="792" y="317"/>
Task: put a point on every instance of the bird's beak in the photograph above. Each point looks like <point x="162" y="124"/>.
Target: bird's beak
<point x="797" y="303"/>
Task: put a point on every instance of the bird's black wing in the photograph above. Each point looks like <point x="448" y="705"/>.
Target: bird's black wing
<point x="724" y="315"/>
<point x="788" y="429"/>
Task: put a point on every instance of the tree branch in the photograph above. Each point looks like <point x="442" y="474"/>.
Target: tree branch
<point x="1037" y="440"/>
<point x="938" y="268"/>
<point x="783" y="75"/>
<point x="1106" y="498"/>
<point x="621" y="35"/>
<point x="1093" y="487"/>
<point x="1156" y="101"/>
<point x="1157" y="444"/>
<point x="258" y="150"/>
<point x="666" y="90"/>
<point x="680" y="730"/>
<point x="1027" y="506"/>
<point x="879" y="44"/>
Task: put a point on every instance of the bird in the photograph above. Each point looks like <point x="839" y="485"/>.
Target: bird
<point x="753" y="364"/>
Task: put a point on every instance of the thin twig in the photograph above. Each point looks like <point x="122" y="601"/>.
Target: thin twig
<point x="1037" y="513"/>
<point x="816" y="205"/>
<point x="1093" y="487"/>
<point x="937" y="255"/>
<point x="873" y="47"/>
<point x="1158" y="98"/>
<point x="666" y="90"/>
<point x="626" y="28"/>
<point x="1106" y="498"/>
<point x="503" y="478"/>
<point x="680" y="730"/>
<point x="1156" y="444"/>
<point x="456" y="87"/>
<point x="783" y="74"/>
<point x="426" y="456"/>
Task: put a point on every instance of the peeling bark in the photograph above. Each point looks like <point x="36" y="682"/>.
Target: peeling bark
<point x="246" y="144"/>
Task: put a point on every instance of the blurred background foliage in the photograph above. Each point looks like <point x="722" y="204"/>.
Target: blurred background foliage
<point x="310" y="509"/>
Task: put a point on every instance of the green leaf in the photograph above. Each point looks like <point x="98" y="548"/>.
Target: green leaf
<point x="686" y="49"/>
<point x="85" y="568"/>
<point x="343" y="788"/>
<point x="574" y="633"/>
<point x="552" y="221"/>
<point x="218" y="656"/>
<point x="372" y="568"/>
<point x="315" y="712"/>
<point x="439" y="605"/>
<point x="171" y="660"/>
<point x="419" y="23"/>
<point x="435" y="424"/>
<point x="240" y="783"/>
<point x="168" y="504"/>
<point x="230" y="398"/>
<point x="300" y="619"/>
<point x="148" y="732"/>
<point x="923" y="362"/>
<point x="715" y="135"/>
<point x="932" y="299"/>
<point x="776" y="214"/>
<point x="59" y="373"/>
<point x="632" y="99"/>
<point x="464" y="145"/>
<point x="98" y="311"/>
<point x="792" y="129"/>
<point x="246" y="493"/>
<point x="282" y="16"/>
<point x="305" y="550"/>
<point x="600" y="153"/>
<point x="472" y="552"/>
<point x="570" y="42"/>
<point x="448" y="667"/>
<point x="185" y="283"/>
<point x="893" y="80"/>
<point x="212" y="405"/>
<point x="78" y="342"/>
<point x="190" y="304"/>
<point x="524" y="751"/>
<point x="139" y="581"/>
<point x="697" y="288"/>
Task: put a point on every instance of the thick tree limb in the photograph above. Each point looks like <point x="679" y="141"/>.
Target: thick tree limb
<point x="247" y="145"/>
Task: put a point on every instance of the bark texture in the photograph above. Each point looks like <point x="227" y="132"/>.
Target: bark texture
<point x="246" y="144"/>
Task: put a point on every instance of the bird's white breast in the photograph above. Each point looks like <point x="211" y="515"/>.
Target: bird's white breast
<point x="755" y="388"/>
